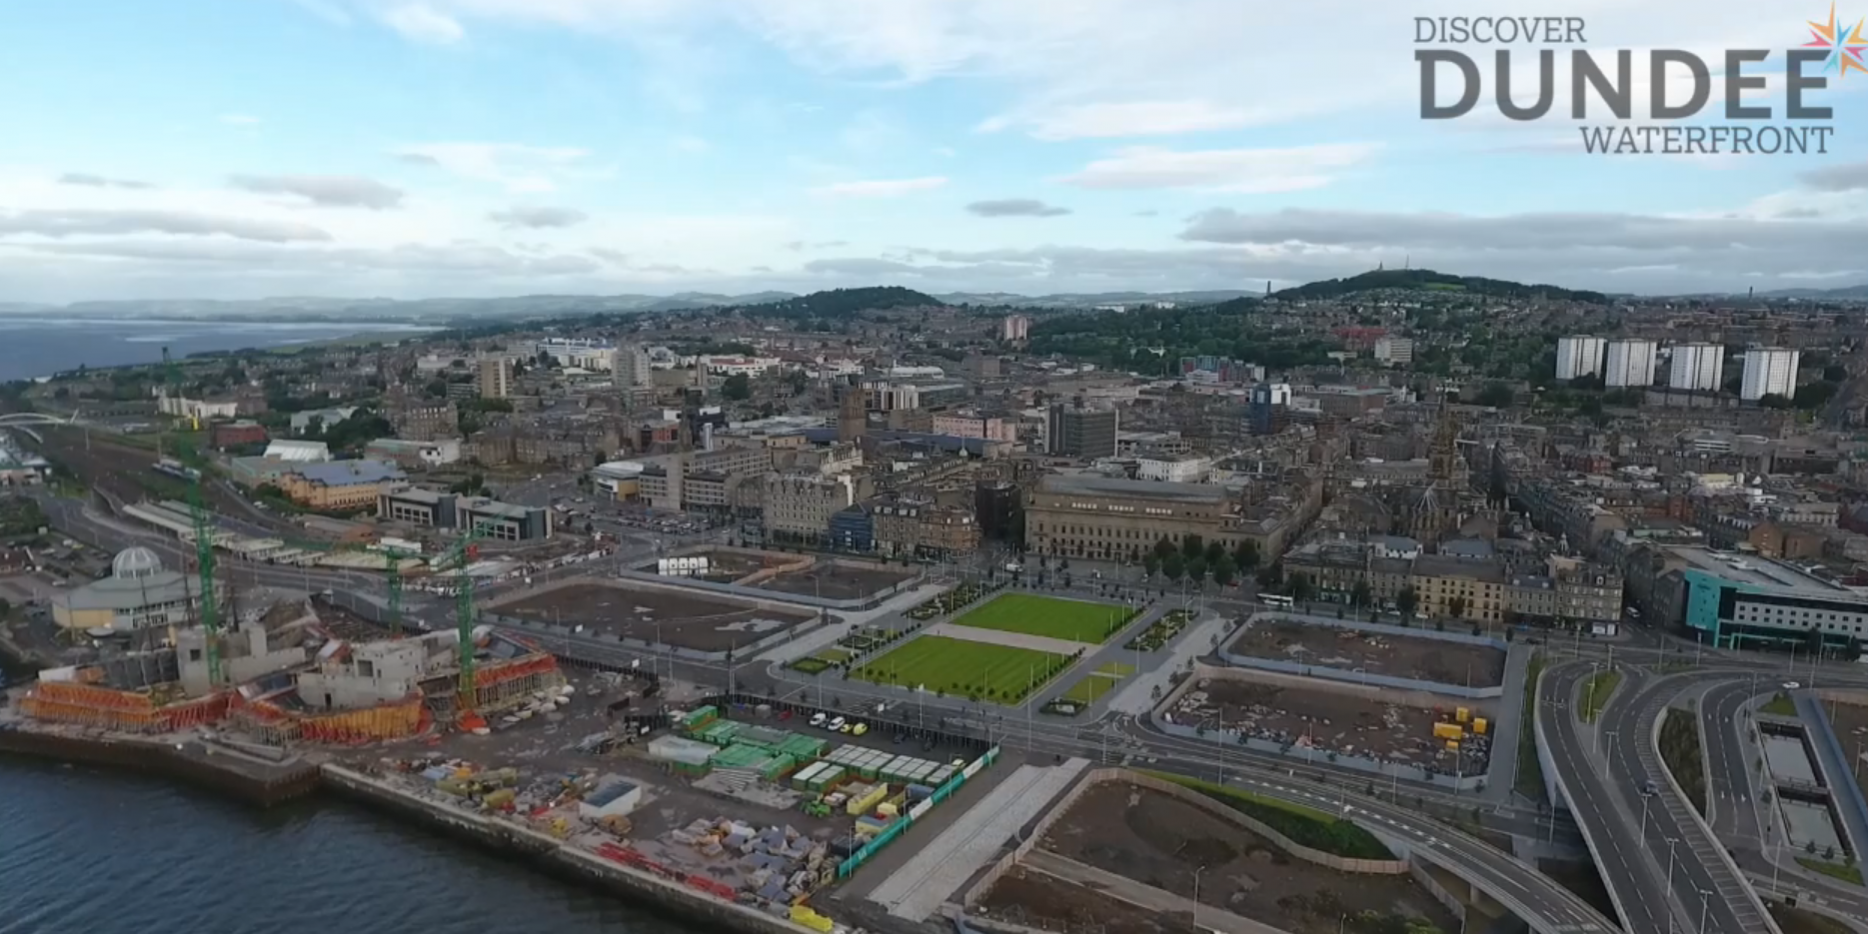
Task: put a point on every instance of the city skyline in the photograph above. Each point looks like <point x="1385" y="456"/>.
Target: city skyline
<point x="477" y="148"/>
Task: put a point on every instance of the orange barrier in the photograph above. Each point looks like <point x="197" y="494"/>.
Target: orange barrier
<point x="122" y="711"/>
<point x="404" y="718"/>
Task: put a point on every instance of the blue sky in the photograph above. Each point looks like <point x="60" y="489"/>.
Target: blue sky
<point x="416" y="148"/>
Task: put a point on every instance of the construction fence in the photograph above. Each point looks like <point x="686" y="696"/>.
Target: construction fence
<point x="945" y="791"/>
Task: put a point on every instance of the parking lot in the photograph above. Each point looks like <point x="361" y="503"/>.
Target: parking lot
<point x="1334" y="719"/>
<point x="1420" y="658"/>
<point x="653" y="614"/>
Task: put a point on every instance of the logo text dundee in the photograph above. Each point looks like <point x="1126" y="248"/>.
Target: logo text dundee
<point x="1689" y="109"/>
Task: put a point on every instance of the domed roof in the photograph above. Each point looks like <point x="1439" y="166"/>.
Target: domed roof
<point x="135" y="562"/>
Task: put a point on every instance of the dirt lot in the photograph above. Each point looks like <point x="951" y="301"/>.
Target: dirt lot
<point x="1159" y="840"/>
<point x="1426" y="659"/>
<point x="1330" y="721"/>
<point x="1036" y="900"/>
<point x="834" y="582"/>
<point x="689" y="621"/>
<point x="723" y="567"/>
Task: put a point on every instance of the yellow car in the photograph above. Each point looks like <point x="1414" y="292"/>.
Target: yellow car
<point x="859" y="729"/>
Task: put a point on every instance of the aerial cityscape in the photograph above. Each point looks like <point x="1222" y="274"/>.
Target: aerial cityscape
<point x="604" y="466"/>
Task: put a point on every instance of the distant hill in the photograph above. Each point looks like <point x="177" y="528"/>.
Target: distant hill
<point x="1427" y="280"/>
<point x="1090" y="299"/>
<point x="1851" y="293"/>
<point x="842" y="303"/>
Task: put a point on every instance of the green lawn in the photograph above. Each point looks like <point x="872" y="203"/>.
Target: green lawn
<point x="1780" y="706"/>
<point x="1596" y="692"/>
<point x="962" y="668"/>
<point x="1097" y="683"/>
<point x="1085" y="692"/>
<point x="1839" y="871"/>
<point x="1073" y="620"/>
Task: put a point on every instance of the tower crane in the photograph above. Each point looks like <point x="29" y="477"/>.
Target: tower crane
<point x="204" y="541"/>
<point x="458" y="557"/>
<point x="392" y="578"/>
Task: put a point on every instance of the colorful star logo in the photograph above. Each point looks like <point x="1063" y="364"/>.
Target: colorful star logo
<point x="1845" y="45"/>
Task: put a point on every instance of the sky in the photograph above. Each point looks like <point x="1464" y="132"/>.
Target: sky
<point x="239" y="149"/>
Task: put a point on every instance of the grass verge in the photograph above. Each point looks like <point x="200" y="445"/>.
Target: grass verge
<point x="1679" y="751"/>
<point x="1301" y="825"/>
<point x="1596" y="693"/>
<point x="1780" y="706"/>
<point x="1833" y="870"/>
<point x="1530" y="779"/>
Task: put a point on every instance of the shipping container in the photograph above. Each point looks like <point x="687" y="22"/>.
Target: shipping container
<point x="1448" y="731"/>
<point x="1478" y="725"/>
<point x="1462" y="714"/>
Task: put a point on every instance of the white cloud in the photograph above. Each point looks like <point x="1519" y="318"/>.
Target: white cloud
<point x="89" y="180"/>
<point x="240" y="120"/>
<point x="423" y="23"/>
<point x="60" y="224"/>
<point x="518" y="168"/>
<point x="331" y="191"/>
<point x="1135" y="118"/>
<point x="537" y="218"/>
<point x="1246" y="171"/>
<point x="880" y="188"/>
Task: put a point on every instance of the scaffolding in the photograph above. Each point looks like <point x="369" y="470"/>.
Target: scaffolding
<point x="502" y="686"/>
<point x="120" y="711"/>
<point x="399" y="720"/>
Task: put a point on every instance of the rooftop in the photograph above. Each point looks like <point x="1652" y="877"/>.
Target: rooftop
<point x="350" y="473"/>
<point x="493" y="507"/>
<point x="1756" y="571"/>
<point x="1091" y="485"/>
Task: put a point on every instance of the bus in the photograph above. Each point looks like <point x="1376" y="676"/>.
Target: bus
<point x="1277" y="600"/>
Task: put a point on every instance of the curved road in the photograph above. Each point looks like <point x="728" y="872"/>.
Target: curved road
<point x="1664" y="870"/>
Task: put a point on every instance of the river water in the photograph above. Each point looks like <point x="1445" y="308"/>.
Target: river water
<point x="99" y="852"/>
<point x="37" y="346"/>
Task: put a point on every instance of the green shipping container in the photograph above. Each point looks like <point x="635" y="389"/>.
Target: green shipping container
<point x="778" y="768"/>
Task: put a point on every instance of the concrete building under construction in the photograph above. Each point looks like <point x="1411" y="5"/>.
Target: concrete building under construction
<point x="289" y="679"/>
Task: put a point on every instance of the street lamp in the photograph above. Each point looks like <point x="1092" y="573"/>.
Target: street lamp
<point x="1705" y="901"/>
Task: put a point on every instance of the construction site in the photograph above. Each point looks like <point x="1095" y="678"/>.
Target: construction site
<point x="665" y="615"/>
<point x="801" y="575"/>
<point x="1153" y="848"/>
<point x="743" y="811"/>
<point x="1351" y="650"/>
<point x="1313" y="718"/>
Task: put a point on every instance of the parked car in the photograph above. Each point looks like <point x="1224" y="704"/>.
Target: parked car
<point x="819" y="718"/>
<point x="837" y="725"/>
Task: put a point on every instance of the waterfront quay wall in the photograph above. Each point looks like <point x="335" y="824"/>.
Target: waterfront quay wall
<point x="558" y="857"/>
<point x="192" y="764"/>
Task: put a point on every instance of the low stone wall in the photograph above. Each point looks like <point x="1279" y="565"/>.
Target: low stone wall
<point x="277" y="784"/>
<point x="1095" y="777"/>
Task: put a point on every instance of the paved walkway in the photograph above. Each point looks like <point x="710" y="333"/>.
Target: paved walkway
<point x="934" y="874"/>
<point x="826" y="636"/>
<point x="1142" y="896"/>
<point x="1138" y="697"/>
<point x="1015" y="640"/>
<point x="1501" y="781"/>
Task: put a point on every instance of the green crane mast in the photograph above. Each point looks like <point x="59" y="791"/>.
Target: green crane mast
<point x="464" y="614"/>
<point x="204" y="544"/>
<point x="392" y="577"/>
